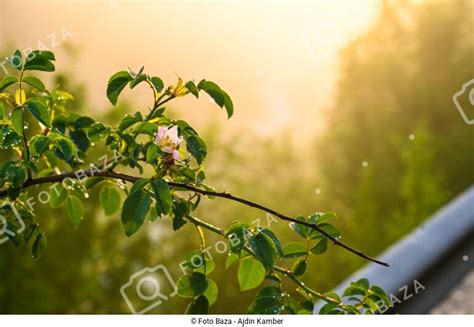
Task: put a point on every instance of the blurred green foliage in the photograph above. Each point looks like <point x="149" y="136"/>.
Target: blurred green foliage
<point x="393" y="111"/>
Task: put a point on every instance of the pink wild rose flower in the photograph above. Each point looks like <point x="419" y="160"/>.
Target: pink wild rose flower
<point x="168" y="141"/>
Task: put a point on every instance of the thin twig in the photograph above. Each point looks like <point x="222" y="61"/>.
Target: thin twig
<point x="184" y="186"/>
<point x="158" y="104"/>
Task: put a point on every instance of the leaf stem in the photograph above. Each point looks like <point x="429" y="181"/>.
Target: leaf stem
<point x="205" y="225"/>
<point x="158" y="103"/>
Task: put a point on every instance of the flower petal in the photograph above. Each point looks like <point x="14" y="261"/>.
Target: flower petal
<point x="161" y="134"/>
<point x="176" y="155"/>
<point x="173" y="135"/>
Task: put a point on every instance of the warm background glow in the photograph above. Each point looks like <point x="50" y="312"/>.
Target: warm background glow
<point x="277" y="59"/>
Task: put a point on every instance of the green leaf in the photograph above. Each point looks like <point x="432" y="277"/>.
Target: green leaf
<point x="34" y="82"/>
<point x="116" y="85"/>
<point x="61" y="97"/>
<point x="299" y="268"/>
<point x="97" y="131"/>
<point x="51" y="158"/>
<point x="197" y="147"/>
<point x="329" y="308"/>
<point x="40" y="111"/>
<point x="58" y="195"/>
<point x="146" y="128"/>
<point x="137" y="80"/>
<point x="319" y="217"/>
<point x="185" y="128"/>
<point x="187" y="173"/>
<point x="139" y="185"/>
<point x="40" y="64"/>
<point x="8" y="137"/>
<point x="274" y="238"/>
<point x="219" y="95"/>
<point x="83" y="122"/>
<point x="134" y="211"/>
<point x="162" y="196"/>
<point x="38" y="145"/>
<point x="16" y="60"/>
<point x="64" y="145"/>
<point x="320" y="247"/>
<point x="39" y="245"/>
<point x="198" y="306"/>
<point x="192" y="88"/>
<point x="197" y="261"/>
<point x="211" y="291"/>
<point x="180" y="210"/>
<point x="43" y="54"/>
<point x="294" y="250"/>
<point x="192" y="285"/>
<point x="75" y="210"/>
<point x="237" y="234"/>
<point x="359" y="288"/>
<point x="152" y="216"/>
<point x="80" y="139"/>
<point x="18" y="123"/>
<point x="231" y="259"/>
<point x="7" y="81"/>
<point x="264" y="249"/>
<point x="110" y="199"/>
<point x="307" y="301"/>
<point x="293" y="307"/>
<point x="267" y="301"/>
<point x="128" y="121"/>
<point x="354" y="290"/>
<point x="370" y="304"/>
<point x="157" y="83"/>
<point x="302" y="230"/>
<point x="251" y="273"/>
<point x="152" y="153"/>
<point x="364" y="283"/>
<point x="380" y="294"/>
<point x="92" y="181"/>
<point x="2" y="112"/>
<point x="328" y="228"/>
<point x="12" y="172"/>
<point x="31" y="232"/>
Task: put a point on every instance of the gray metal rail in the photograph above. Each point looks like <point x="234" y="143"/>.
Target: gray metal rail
<point x="426" y="264"/>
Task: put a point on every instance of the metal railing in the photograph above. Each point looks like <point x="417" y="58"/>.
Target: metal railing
<point x="426" y="264"/>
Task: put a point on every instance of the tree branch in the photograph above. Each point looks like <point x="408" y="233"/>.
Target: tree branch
<point x="187" y="187"/>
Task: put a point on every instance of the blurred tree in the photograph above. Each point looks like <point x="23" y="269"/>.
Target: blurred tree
<point x="395" y="146"/>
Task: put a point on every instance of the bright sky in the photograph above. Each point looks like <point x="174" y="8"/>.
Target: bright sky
<point x="277" y="59"/>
